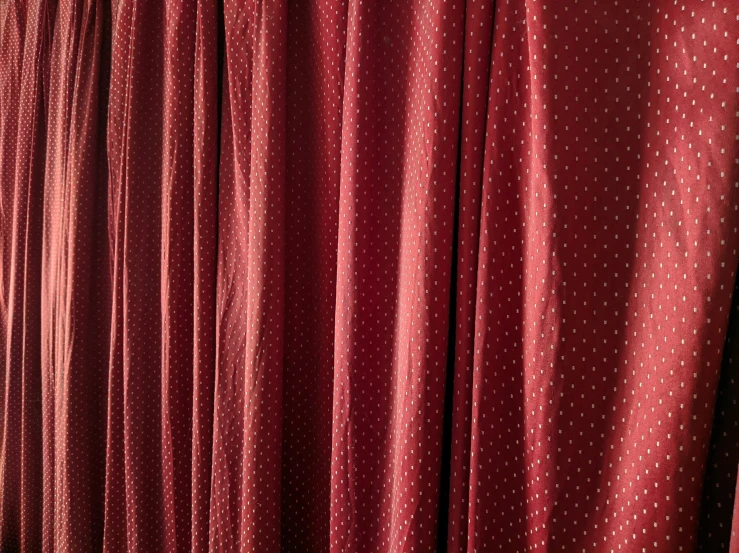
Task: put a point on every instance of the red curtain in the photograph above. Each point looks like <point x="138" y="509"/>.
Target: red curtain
<point x="354" y="276"/>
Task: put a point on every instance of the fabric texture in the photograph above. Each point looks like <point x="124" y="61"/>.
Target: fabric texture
<point x="347" y="276"/>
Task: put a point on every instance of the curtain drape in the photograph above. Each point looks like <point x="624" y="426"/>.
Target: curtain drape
<point x="354" y="276"/>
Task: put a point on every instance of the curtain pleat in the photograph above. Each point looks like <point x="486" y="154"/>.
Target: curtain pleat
<point x="26" y="83"/>
<point x="478" y="29"/>
<point x="344" y="276"/>
<point x="75" y="287"/>
<point x="163" y="234"/>
<point x="313" y="168"/>
<point x="138" y="464"/>
<point x="13" y="34"/>
<point x="604" y="278"/>
<point x="395" y="240"/>
<point x="247" y="429"/>
<point x="205" y="227"/>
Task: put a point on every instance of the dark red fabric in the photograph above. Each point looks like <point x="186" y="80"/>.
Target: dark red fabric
<point x="343" y="276"/>
<point x="718" y="524"/>
<point x="734" y="544"/>
<point x="75" y="316"/>
<point x="604" y="274"/>
<point x="26" y="45"/>
<point x="247" y="430"/>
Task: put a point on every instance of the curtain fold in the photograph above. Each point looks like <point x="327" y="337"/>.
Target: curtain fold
<point x="137" y="465"/>
<point x="204" y="205"/>
<point x="604" y="271"/>
<point x="247" y="429"/>
<point x="333" y="275"/>
<point x="75" y="318"/>
<point x="396" y="212"/>
<point x="27" y="43"/>
<point x="313" y="169"/>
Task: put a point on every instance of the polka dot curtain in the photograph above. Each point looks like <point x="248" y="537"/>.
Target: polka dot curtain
<point x="369" y="277"/>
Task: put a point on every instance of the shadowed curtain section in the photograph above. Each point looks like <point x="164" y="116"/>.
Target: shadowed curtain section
<point x="75" y="320"/>
<point x="27" y="29"/>
<point x="346" y="276"/>
<point x="718" y="522"/>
